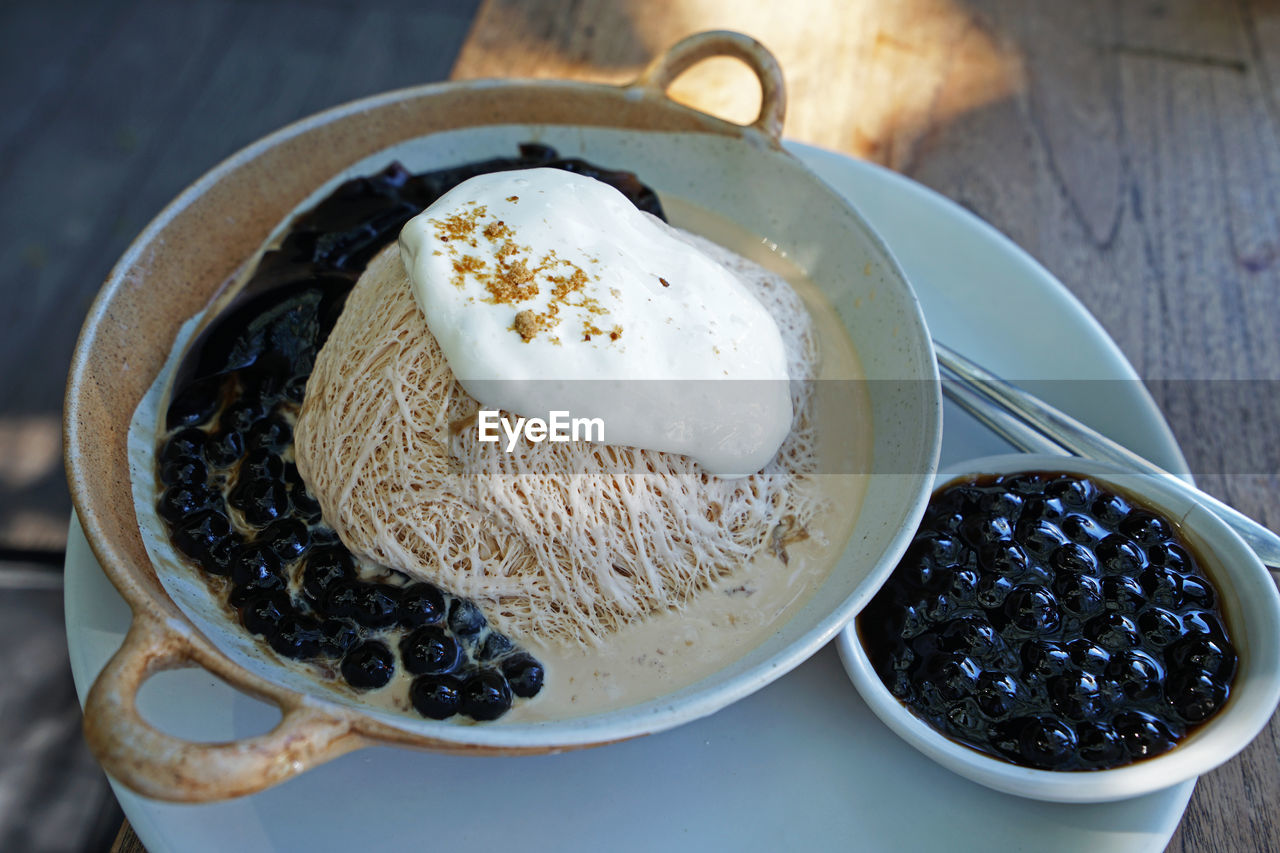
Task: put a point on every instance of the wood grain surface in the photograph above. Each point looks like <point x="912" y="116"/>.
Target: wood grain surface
<point x="1133" y="148"/>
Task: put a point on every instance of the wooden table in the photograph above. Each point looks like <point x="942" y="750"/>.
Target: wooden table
<point x="1133" y="148"/>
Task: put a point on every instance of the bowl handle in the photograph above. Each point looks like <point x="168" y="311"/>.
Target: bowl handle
<point x="169" y="768"/>
<point x="687" y="52"/>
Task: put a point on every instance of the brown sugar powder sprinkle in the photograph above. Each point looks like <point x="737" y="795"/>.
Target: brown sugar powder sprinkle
<point x="513" y="198"/>
<point x="665" y="283"/>
<point x="512" y="279"/>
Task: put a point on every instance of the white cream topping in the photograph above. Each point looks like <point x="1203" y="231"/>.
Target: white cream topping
<point x="532" y="280"/>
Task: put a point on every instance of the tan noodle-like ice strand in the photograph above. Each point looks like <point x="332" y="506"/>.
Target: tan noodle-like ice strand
<point x="548" y="551"/>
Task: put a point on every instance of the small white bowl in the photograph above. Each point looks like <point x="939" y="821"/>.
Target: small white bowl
<point x="1247" y="597"/>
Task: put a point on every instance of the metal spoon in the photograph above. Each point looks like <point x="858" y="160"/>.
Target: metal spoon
<point x="1031" y="424"/>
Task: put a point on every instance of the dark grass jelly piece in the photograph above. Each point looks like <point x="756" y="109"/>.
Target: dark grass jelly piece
<point x="184" y="470"/>
<point x="261" y="501"/>
<point x="287" y="537"/>
<point x="465" y="619"/>
<point x="372" y="605"/>
<point x="485" y="695"/>
<point x="181" y="501"/>
<point x="206" y="534"/>
<point x="436" y="696"/>
<point x="524" y="674"/>
<point x="298" y="637"/>
<point x="263" y="613"/>
<point x="224" y="449"/>
<point x="326" y="565"/>
<point x="194" y="404"/>
<point x="369" y="665"/>
<point x="256" y="565"/>
<point x="430" y="651"/>
<point x="421" y="604"/>
<point x="271" y="433"/>
<point x="185" y="444"/>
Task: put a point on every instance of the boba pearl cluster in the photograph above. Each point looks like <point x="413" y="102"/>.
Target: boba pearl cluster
<point x="236" y="506"/>
<point x="1046" y="620"/>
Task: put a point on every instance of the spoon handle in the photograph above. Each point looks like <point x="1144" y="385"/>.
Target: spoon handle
<point x="1031" y="424"/>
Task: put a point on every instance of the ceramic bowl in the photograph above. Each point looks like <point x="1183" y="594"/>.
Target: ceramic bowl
<point x="1249" y="601"/>
<point x="187" y="254"/>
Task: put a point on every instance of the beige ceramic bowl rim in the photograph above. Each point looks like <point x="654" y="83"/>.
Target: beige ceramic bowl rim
<point x="312" y="730"/>
<point x="1254" y="621"/>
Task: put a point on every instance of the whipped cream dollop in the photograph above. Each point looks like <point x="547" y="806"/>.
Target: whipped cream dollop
<point x="549" y="291"/>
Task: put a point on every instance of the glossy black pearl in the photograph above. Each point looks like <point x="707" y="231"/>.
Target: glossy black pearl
<point x="181" y="501"/>
<point x="183" y="470"/>
<point x="369" y="604"/>
<point x="421" y="604"/>
<point x="326" y="565"/>
<point x="257" y="565"/>
<point x="465" y="619"/>
<point x="185" y="444"/>
<point x="524" y="675"/>
<point x="288" y="538"/>
<point x="430" y="651"/>
<point x="485" y="696"/>
<point x="368" y="666"/>
<point x="436" y="696"/>
<point x="207" y="535"/>
<point x="495" y="645"/>
<point x="260" y="501"/>
<point x="297" y="637"/>
<point x="263" y="613"/>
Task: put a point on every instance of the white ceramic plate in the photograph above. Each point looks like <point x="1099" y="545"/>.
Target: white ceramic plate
<point x="802" y="762"/>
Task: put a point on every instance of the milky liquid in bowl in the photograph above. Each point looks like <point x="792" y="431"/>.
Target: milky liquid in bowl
<point x="667" y="651"/>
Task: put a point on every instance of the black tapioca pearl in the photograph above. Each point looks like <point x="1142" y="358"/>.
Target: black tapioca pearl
<point x="981" y="531"/>
<point x="297" y="637"/>
<point x="368" y="666"/>
<point x="182" y="501"/>
<point x="963" y="587"/>
<point x="1200" y="653"/>
<point x="195" y="404"/>
<point x="1195" y="696"/>
<point x="1074" y="559"/>
<point x="996" y="694"/>
<point x="271" y="433"/>
<point x="204" y="534"/>
<point x="264" y="612"/>
<point x="1046" y="742"/>
<point x="1082" y="529"/>
<point x="524" y="674"/>
<point x="421" y="604"/>
<point x="495" y="645"/>
<point x="1073" y="492"/>
<point x="1033" y="609"/>
<point x="260" y="501"/>
<point x="1040" y="509"/>
<point x="327" y="564"/>
<point x="436" y="696"/>
<point x="295" y="389"/>
<point x="1088" y="655"/>
<point x="1099" y="744"/>
<point x="1145" y="527"/>
<point x="1197" y="592"/>
<point x="1075" y="694"/>
<point x="1113" y="631"/>
<point x="287" y="537"/>
<point x="261" y="464"/>
<point x="1204" y="623"/>
<point x="465" y="619"/>
<point x="372" y="605"/>
<point x="1110" y="509"/>
<point x="1172" y="556"/>
<point x="485" y="695"/>
<point x="1137" y="674"/>
<point x="972" y="636"/>
<point x="1044" y="658"/>
<point x="186" y="471"/>
<point x="337" y="637"/>
<point x="430" y="651"/>
<point x="1001" y="503"/>
<point x="1159" y="627"/>
<point x="1143" y="734"/>
<point x="1006" y="558"/>
<point x="256" y="565"/>
<point x="1026" y="484"/>
<point x="1162" y="586"/>
<point x="241" y="415"/>
<point x="1040" y="537"/>
<point x="1118" y="555"/>
<point x="993" y="590"/>
<point x="225" y="448"/>
<point x="186" y="443"/>
<point x="1123" y="594"/>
